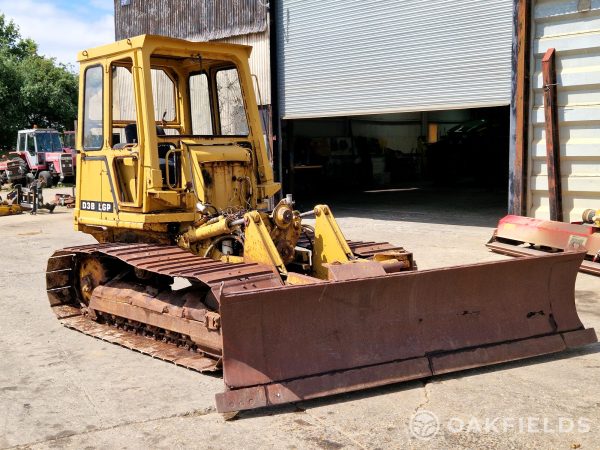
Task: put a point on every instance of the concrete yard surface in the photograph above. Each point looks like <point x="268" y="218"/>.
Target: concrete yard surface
<point x="62" y="389"/>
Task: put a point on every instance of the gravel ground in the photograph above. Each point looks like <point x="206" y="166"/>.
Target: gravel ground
<point x="61" y="389"/>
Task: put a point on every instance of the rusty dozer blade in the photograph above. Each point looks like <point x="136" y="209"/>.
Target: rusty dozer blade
<point x="525" y="236"/>
<point x="296" y="343"/>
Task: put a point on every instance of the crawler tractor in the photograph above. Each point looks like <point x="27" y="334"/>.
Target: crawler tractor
<point x="193" y="266"/>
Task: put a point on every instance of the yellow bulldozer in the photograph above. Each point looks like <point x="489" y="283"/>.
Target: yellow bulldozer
<point x="196" y="265"/>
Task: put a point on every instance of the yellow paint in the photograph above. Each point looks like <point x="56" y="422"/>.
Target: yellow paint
<point x="258" y="245"/>
<point x="207" y="231"/>
<point x="146" y="186"/>
<point x="330" y="244"/>
<point x="9" y="210"/>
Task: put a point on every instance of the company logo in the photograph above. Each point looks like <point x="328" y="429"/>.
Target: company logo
<point x="424" y="425"/>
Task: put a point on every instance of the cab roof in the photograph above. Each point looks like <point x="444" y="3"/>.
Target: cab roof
<point x="45" y="130"/>
<point x="166" y="46"/>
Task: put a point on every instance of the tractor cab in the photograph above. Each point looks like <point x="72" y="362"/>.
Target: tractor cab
<point x="35" y="143"/>
<point x="39" y="154"/>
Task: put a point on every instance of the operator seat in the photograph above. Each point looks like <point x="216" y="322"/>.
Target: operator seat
<point x="131" y="137"/>
<point x="163" y="149"/>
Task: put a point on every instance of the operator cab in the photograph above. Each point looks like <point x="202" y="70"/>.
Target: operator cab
<point x="170" y="125"/>
<point x="192" y="98"/>
<point x="195" y="101"/>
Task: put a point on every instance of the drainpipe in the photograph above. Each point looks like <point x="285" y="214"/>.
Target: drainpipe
<point x="274" y="13"/>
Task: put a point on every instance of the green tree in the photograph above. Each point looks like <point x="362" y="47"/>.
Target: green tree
<point x="34" y="90"/>
<point x="48" y="93"/>
<point x="11" y="40"/>
<point x="11" y="113"/>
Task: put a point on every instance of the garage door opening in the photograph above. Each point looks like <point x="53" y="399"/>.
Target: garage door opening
<point x="463" y="148"/>
<point x="437" y="153"/>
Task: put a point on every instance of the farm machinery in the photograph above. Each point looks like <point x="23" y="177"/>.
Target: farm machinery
<point x="526" y="236"/>
<point x="39" y="155"/>
<point x="22" y="199"/>
<point x="196" y="265"/>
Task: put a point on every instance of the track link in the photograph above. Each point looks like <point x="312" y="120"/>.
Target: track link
<point x="160" y="260"/>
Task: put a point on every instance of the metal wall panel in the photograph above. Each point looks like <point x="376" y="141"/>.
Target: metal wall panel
<point x="236" y="21"/>
<point x="198" y="20"/>
<point x="380" y="56"/>
<point x="260" y="62"/>
<point x="572" y="27"/>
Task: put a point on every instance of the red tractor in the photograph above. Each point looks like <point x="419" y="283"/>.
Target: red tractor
<point x="39" y="155"/>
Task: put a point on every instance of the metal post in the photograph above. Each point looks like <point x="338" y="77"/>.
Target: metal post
<point x="519" y="142"/>
<point x="552" y="135"/>
<point x="274" y="14"/>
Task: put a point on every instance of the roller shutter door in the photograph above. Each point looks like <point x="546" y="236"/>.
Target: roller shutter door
<point x="353" y="57"/>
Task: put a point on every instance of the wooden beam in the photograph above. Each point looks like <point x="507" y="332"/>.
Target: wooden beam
<point x="552" y="135"/>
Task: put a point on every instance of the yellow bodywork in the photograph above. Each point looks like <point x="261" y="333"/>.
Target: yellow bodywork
<point x="330" y="244"/>
<point x="130" y="178"/>
<point x="10" y="210"/>
<point x="171" y="150"/>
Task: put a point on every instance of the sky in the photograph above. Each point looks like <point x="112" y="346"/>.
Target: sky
<point x="63" y="27"/>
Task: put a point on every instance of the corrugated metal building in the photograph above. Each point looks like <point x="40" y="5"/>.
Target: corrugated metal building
<point x="361" y="57"/>
<point x="361" y="86"/>
<point x="198" y="20"/>
<point x="394" y="78"/>
<point x="364" y="89"/>
<point x="237" y="21"/>
<point x="572" y="27"/>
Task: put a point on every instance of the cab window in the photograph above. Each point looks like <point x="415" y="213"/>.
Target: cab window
<point x="93" y="132"/>
<point x="31" y="143"/>
<point x="200" y="105"/>
<point x="163" y="93"/>
<point x="21" y="144"/>
<point x="48" y="142"/>
<point x="124" y="129"/>
<point x="232" y="111"/>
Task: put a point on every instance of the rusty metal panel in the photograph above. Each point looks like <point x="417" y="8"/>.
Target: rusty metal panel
<point x="322" y="385"/>
<point x="552" y="135"/>
<point x="510" y="351"/>
<point x="378" y="331"/>
<point x="519" y="108"/>
<point x="396" y="317"/>
<point x="379" y="375"/>
<point x="572" y="29"/>
<point x="197" y="20"/>
<point x="578" y="338"/>
<point x="550" y="234"/>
